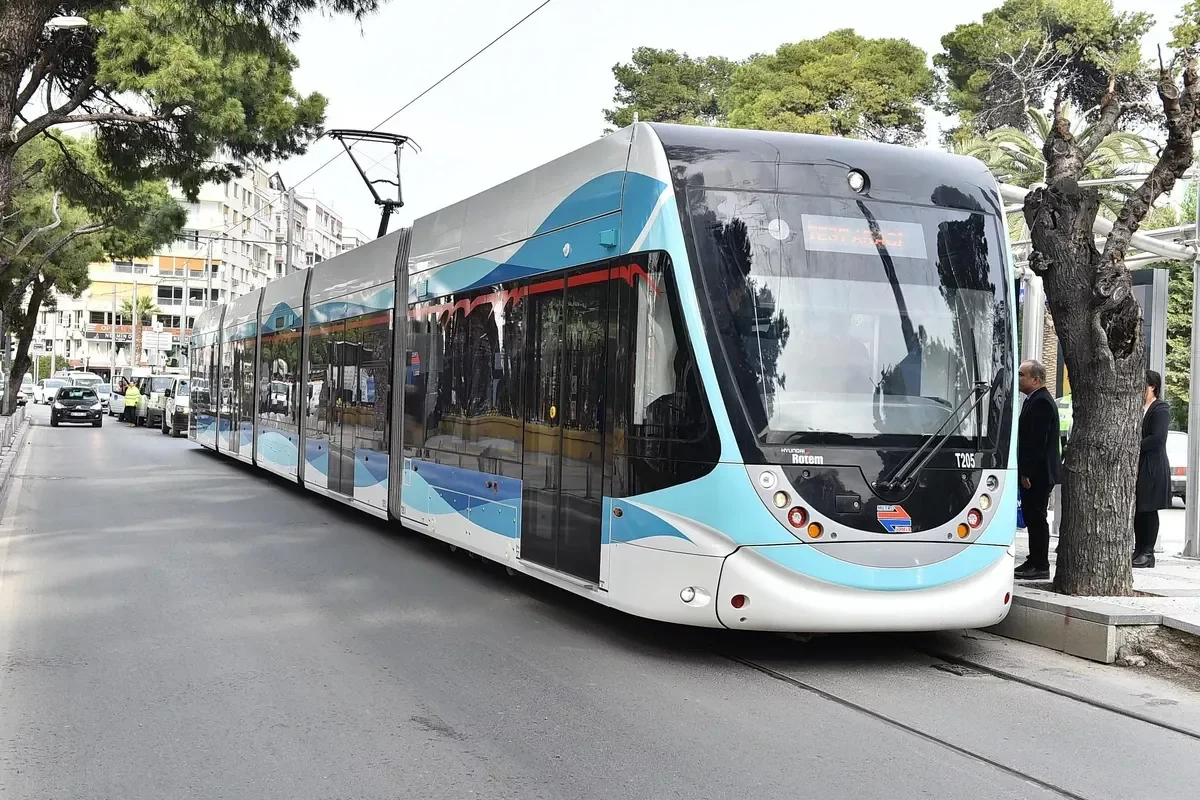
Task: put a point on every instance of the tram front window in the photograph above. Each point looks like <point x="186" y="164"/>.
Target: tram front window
<point x="854" y="318"/>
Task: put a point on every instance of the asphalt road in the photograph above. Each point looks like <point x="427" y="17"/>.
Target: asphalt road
<point x="173" y="625"/>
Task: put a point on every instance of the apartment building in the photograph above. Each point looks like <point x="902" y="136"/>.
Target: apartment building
<point x="226" y="251"/>
<point x="323" y="232"/>
<point x="234" y="242"/>
<point x="352" y="238"/>
<point x="299" y="235"/>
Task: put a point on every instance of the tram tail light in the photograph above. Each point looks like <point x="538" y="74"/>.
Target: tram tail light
<point x="974" y="517"/>
<point x="797" y="517"/>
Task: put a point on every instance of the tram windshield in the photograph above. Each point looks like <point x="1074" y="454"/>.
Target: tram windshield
<point x="853" y="317"/>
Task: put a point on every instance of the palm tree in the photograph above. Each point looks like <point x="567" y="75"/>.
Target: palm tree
<point x="146" y="308"/>
<point x="1016" y="157"/>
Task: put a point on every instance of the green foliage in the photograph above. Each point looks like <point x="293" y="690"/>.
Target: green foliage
<point x="97" y="217"/>
<point x="1016" y="157"/>
<point x="1019" y="55"/>
<point x="186" y="91"/>
<point x="146" y="308"/>
<point x="1186" y="30"/>
<point x="1179" y="311"/>
<point x="667" y="86"/>
<point x="841" y="84"/>
<point x="211" y="86"/>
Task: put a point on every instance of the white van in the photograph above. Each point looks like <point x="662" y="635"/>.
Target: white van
<point x="177" y="405"/>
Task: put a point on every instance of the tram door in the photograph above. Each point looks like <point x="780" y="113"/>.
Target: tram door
<point x="343" y="372"/>
<point x="566" y="337"/>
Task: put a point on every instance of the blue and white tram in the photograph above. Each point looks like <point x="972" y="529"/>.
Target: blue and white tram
<point x="707" y="376"/>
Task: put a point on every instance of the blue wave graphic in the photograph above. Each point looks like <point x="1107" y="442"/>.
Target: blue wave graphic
<point x="370" y="467"/>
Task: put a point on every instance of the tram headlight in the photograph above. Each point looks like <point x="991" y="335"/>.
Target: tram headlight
<point x="781" y="499"/>
<point x="767" y="480"/>
<point x="993" y="483"/>
<point x="985" y="502"/>
<point x="688" y="594"/>
<point x="857" y="180"/>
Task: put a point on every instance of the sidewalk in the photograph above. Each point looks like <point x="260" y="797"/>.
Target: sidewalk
<point x="1174" y="583"/>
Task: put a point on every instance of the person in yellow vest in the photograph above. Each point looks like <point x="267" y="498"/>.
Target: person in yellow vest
<point x="132" y="396"/>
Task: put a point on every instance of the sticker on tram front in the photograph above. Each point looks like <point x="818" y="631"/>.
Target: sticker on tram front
<point x="894" y="519"/>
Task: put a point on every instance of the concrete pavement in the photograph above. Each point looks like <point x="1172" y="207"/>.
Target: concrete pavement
<point x="173" y="625"/>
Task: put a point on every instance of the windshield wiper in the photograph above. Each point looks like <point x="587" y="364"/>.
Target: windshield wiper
<point x="935" y="440"/>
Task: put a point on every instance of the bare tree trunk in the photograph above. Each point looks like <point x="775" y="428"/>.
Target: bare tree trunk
<point x="1100" y="475"/>
<point x="1099" y="324"/>
<point x="21" y="360"/>
<point x="21" y="23"/>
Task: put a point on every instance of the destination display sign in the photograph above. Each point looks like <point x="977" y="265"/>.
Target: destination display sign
<point x="856" y="236"/>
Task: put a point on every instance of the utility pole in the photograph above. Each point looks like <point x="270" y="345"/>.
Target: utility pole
<point x="53" y="340"/>
<point x="208" y="275"/>
<point x="291" y="223"/>
<point x="1191" y="519"/>
<point x="184" y="341"/>
<point x="133" y="308"/>
<point x="112" y="361"/>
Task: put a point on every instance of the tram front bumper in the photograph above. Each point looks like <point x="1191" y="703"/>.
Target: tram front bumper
<point x="758" y="592"/>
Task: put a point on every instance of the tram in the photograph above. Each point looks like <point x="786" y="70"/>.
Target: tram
<point x="713" y="377"/>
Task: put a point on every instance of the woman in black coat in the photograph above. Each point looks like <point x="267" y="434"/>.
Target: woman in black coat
<point x="1154" y="472"/>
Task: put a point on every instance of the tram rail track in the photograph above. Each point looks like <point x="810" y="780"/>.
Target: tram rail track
<point x="891" y="721"/>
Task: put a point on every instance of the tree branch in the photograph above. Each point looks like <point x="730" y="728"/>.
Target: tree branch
<point x="83" y="231"/>
<point x="1110" y="114"/>
<point x="57" y="116"/>
<point x="27" y="175"/>
<point x="1177" y="156"/>
<point x="36" y="232"/>
<point x="37" y="75"/>
<point x="17" y="293"/>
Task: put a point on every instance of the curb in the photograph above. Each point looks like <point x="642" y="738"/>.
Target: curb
<point x="10" y="454"/>
<point x="1081" y="626"/>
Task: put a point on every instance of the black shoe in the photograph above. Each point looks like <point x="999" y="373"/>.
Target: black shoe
<point x="1143" y="561"/>
<point x="1031" y="572"/>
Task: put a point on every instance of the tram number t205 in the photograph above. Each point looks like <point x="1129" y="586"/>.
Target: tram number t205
<point x="967" y="460"/>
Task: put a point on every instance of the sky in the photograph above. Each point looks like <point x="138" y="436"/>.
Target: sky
<point x="540" y="92"/>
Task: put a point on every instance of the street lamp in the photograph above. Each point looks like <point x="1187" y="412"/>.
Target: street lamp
<point x="66" y="23"/>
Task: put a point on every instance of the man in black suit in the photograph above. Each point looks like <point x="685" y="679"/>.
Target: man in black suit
<point x="1039" y="466"/>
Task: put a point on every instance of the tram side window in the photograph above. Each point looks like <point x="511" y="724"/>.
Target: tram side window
<point x="473" y="375"/>
<point x="245" y="378"/>
<point x="226" y="386"/>
<point x="278" y="398"/>
<point x="319" y="379"/>
<point x="416" y="379"/>
<point x="367" y="354"/>
<point x="662" y="420"/>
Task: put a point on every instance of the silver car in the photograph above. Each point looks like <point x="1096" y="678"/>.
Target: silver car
<point x="1177" y="451"/>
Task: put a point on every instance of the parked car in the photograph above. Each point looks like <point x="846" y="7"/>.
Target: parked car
<point x="26" y="392"/>
<point x="177" y="407"/>
<point x="84" y="379"/>
<point x="44" y="391"/>
<point x="1177" y="447"/>
<point x="116" y="402"/>
<point x="76" y="404"/>
<point x="155" y="400"/>
<point x="103" y="391"/>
